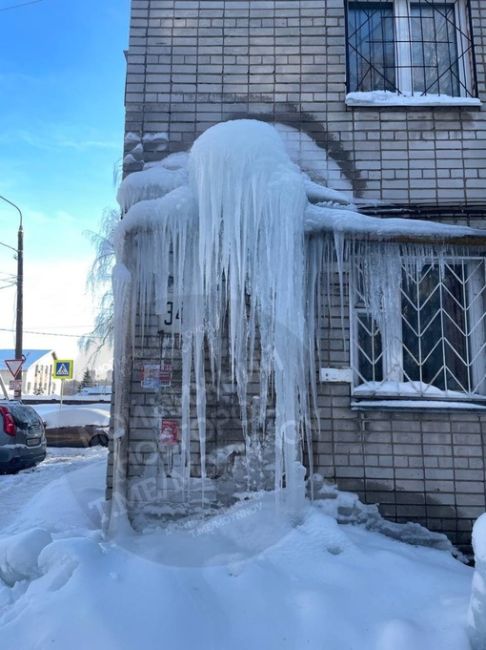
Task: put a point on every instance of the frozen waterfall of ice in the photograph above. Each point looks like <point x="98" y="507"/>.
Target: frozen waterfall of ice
<point x="231" y="231"/>
<point x="232" y="243"/>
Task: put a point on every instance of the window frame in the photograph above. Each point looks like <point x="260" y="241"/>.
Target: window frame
<point x="392" y="346"/>
<point x="404" y="94"/>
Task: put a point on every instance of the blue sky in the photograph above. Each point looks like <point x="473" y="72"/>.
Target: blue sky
<point x="62" y="73"/>
<point x="61" y="77"/>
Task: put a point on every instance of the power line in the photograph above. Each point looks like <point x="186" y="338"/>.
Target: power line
<point x="21" y="4"/>
<point x="74" y="336"/>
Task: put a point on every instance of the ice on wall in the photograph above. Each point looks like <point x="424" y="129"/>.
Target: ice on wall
<point x="477" y="607"/>
<point x="149" y="184"/>
<point x="312" y="159"/>
<point x="231" y="230"/>
<point x="233" y="239"/>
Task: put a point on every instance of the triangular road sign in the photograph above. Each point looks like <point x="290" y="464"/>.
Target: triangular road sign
<point x="14" y="365"/>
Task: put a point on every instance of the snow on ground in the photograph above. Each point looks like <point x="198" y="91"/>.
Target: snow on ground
<point x="50" y="485"/>
<point x="66" y="415"/>
<point x="246" y="578"/>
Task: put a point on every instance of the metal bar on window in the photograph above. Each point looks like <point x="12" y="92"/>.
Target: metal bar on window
<point x="441" y="330"/>
<point x="429" y="50"/>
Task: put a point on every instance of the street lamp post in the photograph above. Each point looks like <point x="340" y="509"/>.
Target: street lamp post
<point x="20" y="296"/>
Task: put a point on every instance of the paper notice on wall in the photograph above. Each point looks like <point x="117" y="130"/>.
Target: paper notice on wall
<point x="157" y="375"/>
<point x="166" y="374"/>
<point x="151" y="376"/>
<point x="169" y="432"/>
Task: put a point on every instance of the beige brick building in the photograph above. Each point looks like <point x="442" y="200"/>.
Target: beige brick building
<point x="382" y="100"/>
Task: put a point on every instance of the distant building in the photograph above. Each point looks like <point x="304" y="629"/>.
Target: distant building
<point x="95" y="391"/>
<point x="36" y="372"/>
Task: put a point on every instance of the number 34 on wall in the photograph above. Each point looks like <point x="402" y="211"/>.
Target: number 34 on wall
<point x="170" y="322"/>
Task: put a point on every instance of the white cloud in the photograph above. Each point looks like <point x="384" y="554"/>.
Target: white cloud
<point x="55" y="301"/>
<point x="54" y="137"/>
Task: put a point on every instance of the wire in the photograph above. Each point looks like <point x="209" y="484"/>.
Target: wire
<point x="74" y="336"/>
<point x="7" y="246"/>
<point x="21" y="4"/>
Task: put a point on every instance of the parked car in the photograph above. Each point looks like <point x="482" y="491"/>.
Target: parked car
<point x="77" y="436"/>
<point x="22" y="437"/>
<point x="75" y="425"/>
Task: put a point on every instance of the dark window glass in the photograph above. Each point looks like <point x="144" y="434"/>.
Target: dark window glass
<point x="434" y="49"/>
<point x="369" y="349"/>
<point x="371" y="46"/>
<point x="24" y="416"/>
<point x="434" y="333"/>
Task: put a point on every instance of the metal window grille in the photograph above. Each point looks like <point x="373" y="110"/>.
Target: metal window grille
<point x="410" y="48"/>
<point x="429" y="341"/>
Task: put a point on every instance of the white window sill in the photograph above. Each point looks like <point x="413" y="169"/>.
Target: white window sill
<point x="411" y="404"/>
<point x="386" y="98"/>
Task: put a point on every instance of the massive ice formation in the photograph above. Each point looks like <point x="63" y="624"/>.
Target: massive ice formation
<point x="229" y="231"/>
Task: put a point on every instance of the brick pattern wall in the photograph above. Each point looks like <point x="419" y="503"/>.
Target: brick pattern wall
<point x="420" y="465"/>
<point x="194" y="63"/>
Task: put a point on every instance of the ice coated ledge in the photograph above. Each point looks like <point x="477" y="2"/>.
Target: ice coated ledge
<point x="387" y="98"/>
<point x="360" y="226"/>
<point x="164" y="191"/>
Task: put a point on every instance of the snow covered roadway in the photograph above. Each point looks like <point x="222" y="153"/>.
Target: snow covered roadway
<point x="245" y="578"/>
<point x="17" y="490"/>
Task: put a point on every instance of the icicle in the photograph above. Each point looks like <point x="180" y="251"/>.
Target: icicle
<point x="117" y="520"/>
<point x="121" y="292"/>
<point x="251" y="201"/>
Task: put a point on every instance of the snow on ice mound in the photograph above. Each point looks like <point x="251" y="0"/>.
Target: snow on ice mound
<point x="19" y="554"/>
<point x="241" y="581"/>
<point x="317" y="585"/>
<point x="477" y="607"/>
<point x="149" y="184"/>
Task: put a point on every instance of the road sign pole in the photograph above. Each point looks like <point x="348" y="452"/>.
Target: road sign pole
<point x="20" y="306"/>
<point x="20" y="294"/>
<point x="62" y="393"/>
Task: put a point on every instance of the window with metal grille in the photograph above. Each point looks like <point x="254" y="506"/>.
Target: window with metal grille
<point x="410" y="48"/>
<point x="419" y="327"/>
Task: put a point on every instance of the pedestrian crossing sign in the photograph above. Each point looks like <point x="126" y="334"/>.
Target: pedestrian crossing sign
<point x="63" y="369"/>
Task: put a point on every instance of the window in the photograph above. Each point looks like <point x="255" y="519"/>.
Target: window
<point x="415" y="49"/>
<point x="419" y="327"/>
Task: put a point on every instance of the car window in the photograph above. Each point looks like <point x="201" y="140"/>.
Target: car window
<point x="24" y="415"/>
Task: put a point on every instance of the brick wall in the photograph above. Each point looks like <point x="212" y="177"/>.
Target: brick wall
<point x="194" y="63"/>
<point x="420" y="465"/>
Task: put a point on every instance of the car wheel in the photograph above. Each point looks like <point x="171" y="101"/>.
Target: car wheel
<point x="100" y="439"/>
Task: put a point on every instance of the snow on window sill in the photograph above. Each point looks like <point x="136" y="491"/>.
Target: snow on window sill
<point x="411" y="404"/>
<point x="409" y="395"/>
<point x="387" y="98"/>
